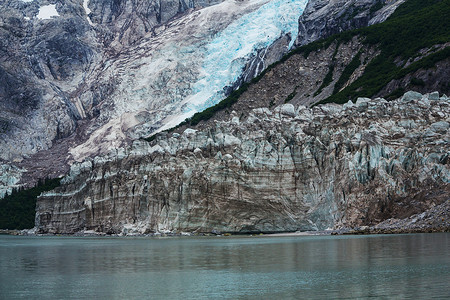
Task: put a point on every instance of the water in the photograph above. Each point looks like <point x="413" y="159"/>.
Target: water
<point x="317" y="267"/>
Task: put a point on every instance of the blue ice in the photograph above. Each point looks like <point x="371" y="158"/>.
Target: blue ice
<point x="229" y="51"/>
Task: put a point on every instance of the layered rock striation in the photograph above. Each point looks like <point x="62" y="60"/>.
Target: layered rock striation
<point x="286" y="169"/>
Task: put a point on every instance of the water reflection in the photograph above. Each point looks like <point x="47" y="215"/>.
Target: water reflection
<point x="400" y="266"/>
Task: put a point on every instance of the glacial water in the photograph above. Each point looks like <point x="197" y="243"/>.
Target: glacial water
<point x="413" y="266"/>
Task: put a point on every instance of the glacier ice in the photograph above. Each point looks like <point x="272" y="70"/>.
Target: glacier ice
<point x="226" y="55"/>
<point x="88" y="11"/>
<point x="184" y="65"/>
<point x="230" y="50"/>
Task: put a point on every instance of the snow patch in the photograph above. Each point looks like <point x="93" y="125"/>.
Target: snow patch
<point x="47" y="12"/>
<point x="27" y="1"/>
<point x="88" y="11"/>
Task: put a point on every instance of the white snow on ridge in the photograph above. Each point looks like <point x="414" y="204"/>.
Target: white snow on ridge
<point x="27" y="1"/>
<point x="88" y="11"/>
<point x="46" y="12"/>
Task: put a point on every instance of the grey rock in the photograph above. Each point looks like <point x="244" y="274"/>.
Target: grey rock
<point x="125" y="22"/>
<point x="323" y="18"/>
<point x="440" y="127"/>
<point x="40" y="66"/>
<point x="288" y="110"/>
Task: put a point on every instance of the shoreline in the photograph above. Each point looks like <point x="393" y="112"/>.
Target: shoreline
<point x="365" y="230"/>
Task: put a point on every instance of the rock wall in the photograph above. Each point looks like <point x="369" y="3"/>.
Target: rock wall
<point x="51" y="67"/>
<point x="42" y="61"/>
<point x="125" y="22"/>
<point x="285" y="169"/>
<point x="323" y="18"/>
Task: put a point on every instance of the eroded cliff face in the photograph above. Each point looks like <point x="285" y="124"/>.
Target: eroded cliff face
<point x="284" y="169"/>
<point x="323" y="18"/>
<point x="125" y="22"/>
<point x="43" y="58"/>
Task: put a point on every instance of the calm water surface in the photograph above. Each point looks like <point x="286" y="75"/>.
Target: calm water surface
<point x="318" y="267"/>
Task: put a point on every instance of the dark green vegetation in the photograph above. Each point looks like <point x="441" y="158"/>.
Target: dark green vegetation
<point x="211" y="111"/>
<point x="415" y="25"/>
<point x="348" y="71"/>
<point x="17" y="211"/>
<point x="227" y="102"/>
<point x="329" y="77"/>
<point x="327" y="80"/>
<point x="376" y="7"/>
<point x="417" y="82"/>
<point x="291" y="95"/>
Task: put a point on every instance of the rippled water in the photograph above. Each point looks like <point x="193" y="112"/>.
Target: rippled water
<point x="317" y="267"/>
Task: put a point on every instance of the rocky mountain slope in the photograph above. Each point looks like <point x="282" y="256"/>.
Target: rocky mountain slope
<point x="285" y="169"/>
<point x="83" y="76"/>
<point x="368" y="62"/>
<point x="327" y="17"/>
<point x="73" y="69"/>
<point x="248" y="163"/>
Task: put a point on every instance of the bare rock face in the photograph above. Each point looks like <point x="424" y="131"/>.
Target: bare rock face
<point x="52" y="55"/>
<point x="323" y="18"/>
<point x="286" y="169"/>
<point x="42" y="61"/>
<point x="125" y="22"/>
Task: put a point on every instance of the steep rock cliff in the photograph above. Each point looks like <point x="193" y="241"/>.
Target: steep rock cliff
<point x="323" y="18"/>
<point x="43" y="58"/>
<point x="284" y="169"/>
<point x="125" y="22"/>
<point x="52" y="59"/>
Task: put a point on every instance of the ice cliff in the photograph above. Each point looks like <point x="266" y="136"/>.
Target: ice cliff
<point x="285" y="169"/>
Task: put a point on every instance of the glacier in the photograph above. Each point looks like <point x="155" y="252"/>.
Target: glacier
<point x="87" y="11"/>
<point x="183" y="67"/>
<point x="232" y="48"/>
